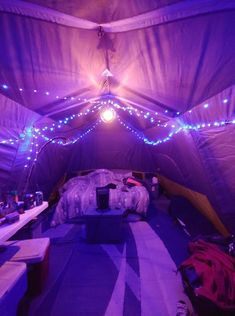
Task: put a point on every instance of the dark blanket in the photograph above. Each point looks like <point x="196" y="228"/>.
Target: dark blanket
<point x="216" y="271"/>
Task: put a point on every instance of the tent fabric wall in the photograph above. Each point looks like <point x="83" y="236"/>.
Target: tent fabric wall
<point x="178" y="160"/>
<point x="63" y="60"/>
<point x="200" y="202"/>
<point x="50" y="72"/>
<point x="218" y="153"/>
<point x="111" y="147"/>
<point x="205" y="164"/>
<point x="202" y="160"/>
<point x="160" y="16"/>
<point x="48" y="170"/>
<point x="14" y="120"/>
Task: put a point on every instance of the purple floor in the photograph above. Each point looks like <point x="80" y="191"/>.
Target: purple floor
<point x="135" y="277"/>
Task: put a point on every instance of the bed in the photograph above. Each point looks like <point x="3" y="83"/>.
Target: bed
<point x="78" y="195"/>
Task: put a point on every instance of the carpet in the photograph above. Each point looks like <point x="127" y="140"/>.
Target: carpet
<point x="136" y="277"/>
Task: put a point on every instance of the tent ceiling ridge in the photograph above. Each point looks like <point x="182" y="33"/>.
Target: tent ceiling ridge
<point x="46" y="14"/>
<point x="170" y="13"/>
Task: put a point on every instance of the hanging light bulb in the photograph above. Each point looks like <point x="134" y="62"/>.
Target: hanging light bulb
<point x="107" y="115"/>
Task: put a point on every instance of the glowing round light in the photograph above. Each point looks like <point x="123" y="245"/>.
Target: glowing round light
<point x="107" y="115"/>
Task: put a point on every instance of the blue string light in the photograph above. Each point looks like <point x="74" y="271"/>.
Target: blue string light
<point x="128" y="109"/>
<point x="13" y="141"/>
<point x="98" y="104"/>
<point x="34" y="145"/>
<point x="174" y="132"/>
<point x="97" y="107"/>
<point x="40" y="132"/>
<point x="206" y="105"/>
<point x="69" y="141"/>
<point x="142" y="137"/>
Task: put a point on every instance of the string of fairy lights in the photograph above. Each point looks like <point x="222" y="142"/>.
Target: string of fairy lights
<point x="34" y="145"/>
<point x="37" y="135"/>
<point x="197" y="127"/>
<point x="61" y="123"/>
<point x="151" y="116"/>
<point x="73" y="140"/>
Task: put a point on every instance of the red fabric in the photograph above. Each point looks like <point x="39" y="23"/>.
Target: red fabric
<point x="133" y="181"/>
<point x="216" y="271"/>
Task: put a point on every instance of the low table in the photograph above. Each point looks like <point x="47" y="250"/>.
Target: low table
<point x="104" y="226"/>
<point x="33" y="252"/>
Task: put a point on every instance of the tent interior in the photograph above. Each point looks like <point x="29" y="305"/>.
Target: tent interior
<point x="166" y="70"/>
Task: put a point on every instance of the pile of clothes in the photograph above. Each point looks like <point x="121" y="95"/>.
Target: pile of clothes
<point x="209" y="278"/>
